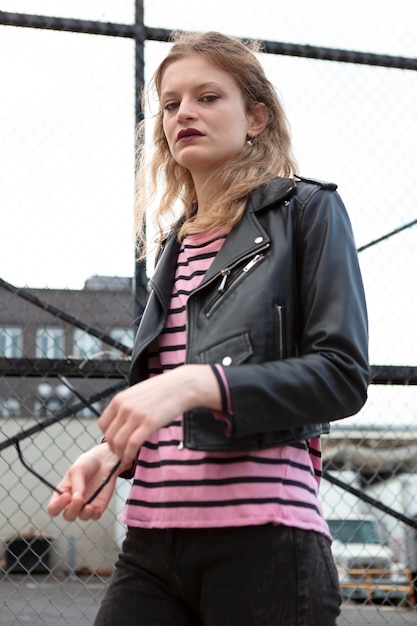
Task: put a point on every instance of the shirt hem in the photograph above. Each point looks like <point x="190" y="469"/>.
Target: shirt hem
<point x="239" y="522"/>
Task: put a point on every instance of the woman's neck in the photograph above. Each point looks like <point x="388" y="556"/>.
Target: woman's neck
<point x="203" y="190"/>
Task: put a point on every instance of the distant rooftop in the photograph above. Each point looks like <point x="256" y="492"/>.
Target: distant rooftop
<point x="109" y="283"/>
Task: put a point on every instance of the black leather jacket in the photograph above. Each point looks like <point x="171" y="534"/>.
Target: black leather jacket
<point x="282" y="308"/>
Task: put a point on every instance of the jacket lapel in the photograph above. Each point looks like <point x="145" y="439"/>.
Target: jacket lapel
<point x="248" y="236"/>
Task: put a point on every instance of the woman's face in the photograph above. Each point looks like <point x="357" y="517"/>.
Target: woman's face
<point x="204" y="116"/>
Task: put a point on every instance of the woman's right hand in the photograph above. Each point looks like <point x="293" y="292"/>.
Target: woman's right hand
<point x="80" y="481"/>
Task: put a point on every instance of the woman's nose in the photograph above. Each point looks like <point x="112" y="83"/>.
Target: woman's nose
<point x="186" y="110"/>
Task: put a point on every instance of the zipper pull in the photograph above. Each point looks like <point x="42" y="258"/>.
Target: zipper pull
<point x="252" y="262"/>
<point x="225" y="273"/>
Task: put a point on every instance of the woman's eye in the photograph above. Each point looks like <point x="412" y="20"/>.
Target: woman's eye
<point x="170" y="106"/>
<point x="209" y="98"/>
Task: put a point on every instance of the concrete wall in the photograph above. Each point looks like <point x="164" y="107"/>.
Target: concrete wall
<point x="92" y="545"/>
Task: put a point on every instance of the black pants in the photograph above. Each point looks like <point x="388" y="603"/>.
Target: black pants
<point x="251" y="576"/>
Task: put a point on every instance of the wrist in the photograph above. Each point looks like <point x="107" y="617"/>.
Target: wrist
<point x="200" y="386"/>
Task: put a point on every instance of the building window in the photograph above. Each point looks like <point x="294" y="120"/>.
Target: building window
<point x="50" y="342"/>
<point x="11" y="341"/>
<point x="126" y="336"/>
<point x="85" y="345"/>
<point x="50" y="399"/>
<point x="47" y="407"/>
<point x="10" y="407"/>
<point x="87" y="412"/>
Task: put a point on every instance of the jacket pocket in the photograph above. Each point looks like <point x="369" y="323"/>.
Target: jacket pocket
<point x="230" y="351"/>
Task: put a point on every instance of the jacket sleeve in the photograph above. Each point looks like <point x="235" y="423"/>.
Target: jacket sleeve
<point x="328" y="378"/>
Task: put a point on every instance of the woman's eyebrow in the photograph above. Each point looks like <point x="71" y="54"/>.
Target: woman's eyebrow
<point x="206" y="85"/>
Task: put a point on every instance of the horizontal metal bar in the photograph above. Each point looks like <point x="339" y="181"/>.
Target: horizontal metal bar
<point x="110" y="29"/>
<point x="394" y="375"/>
<point x="71" y="367"/>
<point x="139" y="32"/>
<point x="340" y="55"/>
<point x="116" y="368"/>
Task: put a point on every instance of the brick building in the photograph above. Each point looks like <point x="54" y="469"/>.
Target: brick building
<point x="36" y="344"/>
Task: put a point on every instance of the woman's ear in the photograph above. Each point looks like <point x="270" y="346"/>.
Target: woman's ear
<point x="257" y="119"/>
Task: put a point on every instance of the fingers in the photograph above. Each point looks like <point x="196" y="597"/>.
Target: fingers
<point x="126" y="439"/>
<point x="74" y="507"/>
<point x="58" y="502"/>
<point x="135" y="413"/>
<point x="71" y="506"/>
<point x="81" y="481"/>
<point x="126" y="426"/>
<point x="70" y="501"/>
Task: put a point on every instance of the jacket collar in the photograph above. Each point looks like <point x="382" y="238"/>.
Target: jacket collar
<point x="277" y="190"/>
<point x="163" y="275"/>
<point x="248" y="236"/>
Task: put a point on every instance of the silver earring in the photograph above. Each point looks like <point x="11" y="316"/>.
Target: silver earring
<point x="250" y="140"/>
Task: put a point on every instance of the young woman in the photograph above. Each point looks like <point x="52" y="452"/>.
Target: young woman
<point x="253" y="339"/>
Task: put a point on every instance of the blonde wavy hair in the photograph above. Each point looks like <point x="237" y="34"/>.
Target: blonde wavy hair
<point x="269" y="156"/>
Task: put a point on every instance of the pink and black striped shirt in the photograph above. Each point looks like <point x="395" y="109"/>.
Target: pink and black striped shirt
<point x="175" y="487"/>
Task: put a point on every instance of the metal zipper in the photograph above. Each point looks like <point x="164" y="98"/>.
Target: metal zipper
<point x="226" y="272"/>
<point x="253" y="262"/>
<point x="225" y="275"/>
<point x="281" y="331"/>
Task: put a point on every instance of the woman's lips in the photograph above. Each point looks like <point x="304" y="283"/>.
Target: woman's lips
<point x="188" y="134"/>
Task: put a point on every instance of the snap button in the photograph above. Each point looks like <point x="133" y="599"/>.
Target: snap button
<point x="227" y="360"/>
<point x="259" y="240"/>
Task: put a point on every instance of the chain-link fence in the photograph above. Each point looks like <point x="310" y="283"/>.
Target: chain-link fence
<point x="70" y="292"/>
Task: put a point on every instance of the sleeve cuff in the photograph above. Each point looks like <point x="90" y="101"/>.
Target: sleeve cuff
<point x="226" y="413"/>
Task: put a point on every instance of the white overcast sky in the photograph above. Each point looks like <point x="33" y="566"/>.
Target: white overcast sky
<point x="67" y="138"/>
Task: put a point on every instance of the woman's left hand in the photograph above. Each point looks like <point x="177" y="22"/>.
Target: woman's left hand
<point x="135" y="413"/>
